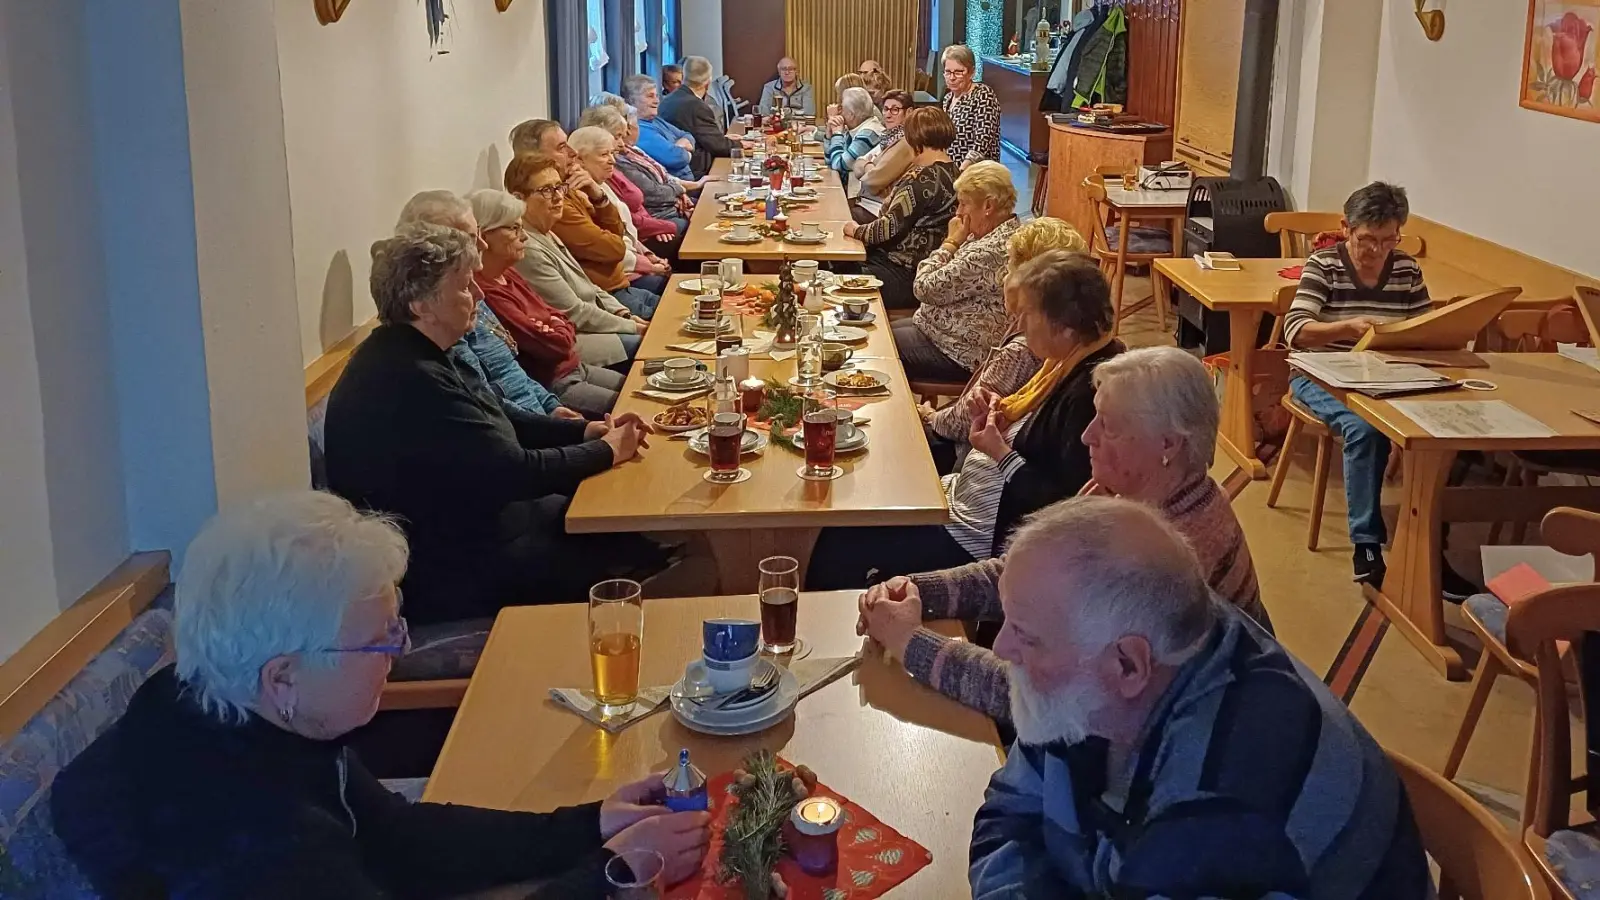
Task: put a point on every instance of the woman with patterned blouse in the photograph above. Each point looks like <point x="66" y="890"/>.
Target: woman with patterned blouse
<point x="917" y="214"/>
<point x="962" y="312"/>
<point x="973" y="106"/>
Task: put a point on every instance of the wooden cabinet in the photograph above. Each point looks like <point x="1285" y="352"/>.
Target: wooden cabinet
<point x="1020" y="90"/>
<point x="1209" y="47"/>
<point x="1075" y="153"/>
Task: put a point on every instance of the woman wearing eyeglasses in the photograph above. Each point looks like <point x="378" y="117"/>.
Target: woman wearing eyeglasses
<point x="228" y="776"/>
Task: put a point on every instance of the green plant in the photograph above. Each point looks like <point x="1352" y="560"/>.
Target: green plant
<point x="752" y="842"/>
<point x="781" y="406"/>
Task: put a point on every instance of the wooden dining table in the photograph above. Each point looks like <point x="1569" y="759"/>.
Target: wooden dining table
<point x="831" y="212"/>
<point x="1547" y="386"/>
<point x="1248" y="294"/>
<point x="775" y="512"/>
<point x="915" y="759"/>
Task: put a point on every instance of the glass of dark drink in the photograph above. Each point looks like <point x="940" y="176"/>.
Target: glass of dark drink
<point x="797" y="179"/>
<point x="780" y="603"/>
<point x="756" y="178"/>
<point x="724" y="440"/>
<point x="821" y="432"/>
<point x="728" y="336"/>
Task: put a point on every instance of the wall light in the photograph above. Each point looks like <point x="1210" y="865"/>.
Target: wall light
<point x="1432" y="21"/>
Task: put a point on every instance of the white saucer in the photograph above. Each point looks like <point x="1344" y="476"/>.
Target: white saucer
<point x="728" y="238"/>
<point x="867" y="319"/>
<point x="692" y="286"/>
<point x="659" y="381"/>
<point x="857" y="441"/>
<point x="777" y="707"/>
<point x="796" y="239"/>
<point x="752" y="442"/>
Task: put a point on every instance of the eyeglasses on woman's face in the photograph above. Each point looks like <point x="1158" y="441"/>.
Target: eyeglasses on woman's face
<point x="514" y="230"/>
<point x="552" y="192"/>
<point x="893" y="109"/>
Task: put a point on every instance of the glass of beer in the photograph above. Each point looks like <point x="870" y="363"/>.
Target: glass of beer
<point x="724" y="440"/>
<point x="821" y="431"/>
<point x="780" y="603"/>
<point x="616" y="640"/>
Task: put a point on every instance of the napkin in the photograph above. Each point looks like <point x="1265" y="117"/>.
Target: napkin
<point x="670" y="396"/>
<point x="584" y="704"/>
<point x="709" y="348"/>
<point x="819" y="671"/>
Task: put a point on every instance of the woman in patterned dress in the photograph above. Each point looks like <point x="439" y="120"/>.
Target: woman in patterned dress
<point x="917" y="214"/>
<point x="973" y="106"/>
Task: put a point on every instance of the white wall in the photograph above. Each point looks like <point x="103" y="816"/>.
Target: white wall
<point x="371" y="116"/>
<point x="1447" y="126"/>
<point x="702" y="30"/>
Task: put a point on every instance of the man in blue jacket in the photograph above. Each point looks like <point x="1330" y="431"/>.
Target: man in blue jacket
<point x="661" y="140"/>
<point x="1166" y="745"/>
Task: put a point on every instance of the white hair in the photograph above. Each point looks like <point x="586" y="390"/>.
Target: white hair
<point x="857" y="104"/>
<point x="271" y="578"/>
<point x="591" y="139"/>
<point x="1131" y="570"/>
<point x="696" y="71"/>
<point x="960" y="53"/>
<point x="433" y="207"/>
<point x="610" y="118"/>
<point x="496" y="209"/>
<point x="634" y="87"/>
<point x="1167" y="392"/>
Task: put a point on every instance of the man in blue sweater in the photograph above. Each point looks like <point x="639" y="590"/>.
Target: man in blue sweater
<point x="1166" y="745"/>
<point x="661" y="140"/>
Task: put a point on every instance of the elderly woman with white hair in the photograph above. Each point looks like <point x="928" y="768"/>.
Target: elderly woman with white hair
<point x="972" y="105"/>
<point x="630" y="183"/>
<point x="480" y="489"/>
<point x="547" y="341"/>
<point x="962" y="312"/>
<point x="228" y="777"/>
<point x="644" y="273"/>
<point x="1151" y="440"/>
<point x="853" y="132"/>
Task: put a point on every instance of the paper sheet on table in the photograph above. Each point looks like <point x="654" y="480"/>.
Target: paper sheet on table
<point x="1589" y="356"/>
<point x="1472" y="419"/>
<point x="764" y="342"/>
<point x="1361" y="368"/>
<point x="709" y="348"/>
<point x="1556" y="567"/>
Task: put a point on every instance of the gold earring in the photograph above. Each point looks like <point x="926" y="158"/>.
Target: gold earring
<point x="1164" y="462"/>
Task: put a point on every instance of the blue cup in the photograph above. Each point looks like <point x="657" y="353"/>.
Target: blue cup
<point x="726" y="640"/>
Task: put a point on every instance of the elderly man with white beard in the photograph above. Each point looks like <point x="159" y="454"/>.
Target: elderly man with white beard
<point x="1167" y="745"/>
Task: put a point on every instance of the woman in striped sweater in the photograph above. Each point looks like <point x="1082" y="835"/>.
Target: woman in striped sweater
<point x="853" y="133"/>
<point x="1151" y="440"/>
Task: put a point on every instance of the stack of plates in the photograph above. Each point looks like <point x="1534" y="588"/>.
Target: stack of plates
<point x="758" y="716"/>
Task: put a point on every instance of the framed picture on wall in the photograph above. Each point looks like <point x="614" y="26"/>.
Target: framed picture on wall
<point x="1558" y="58"/>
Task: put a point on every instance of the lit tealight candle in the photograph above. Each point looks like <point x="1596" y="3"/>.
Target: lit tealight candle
<point x="815" y="824"/>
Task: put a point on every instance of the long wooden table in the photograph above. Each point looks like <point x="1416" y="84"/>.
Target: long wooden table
<point x="1246" y="296"/>
<point x="831" y="212"/>
<point x="917" y="760"/>
<point x="892" y="482"/>
<point x="1547" y="387"/>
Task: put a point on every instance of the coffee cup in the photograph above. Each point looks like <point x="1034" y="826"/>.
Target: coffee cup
<point x="853" y="308"/>
<point x="706" y="307"/>
<point x="724" y="676"/>
<point x="835" y="356"/>
<point x="809" y="231"/>
<point x="805" y="270"/>
<point x="729" y="639"/>
<point x="741" y="231"/>
<point x="680" y="369"/>
<point x="732" y="271"/>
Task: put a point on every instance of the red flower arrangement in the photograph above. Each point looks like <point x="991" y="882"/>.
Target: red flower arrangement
<point x="776" y="165"/>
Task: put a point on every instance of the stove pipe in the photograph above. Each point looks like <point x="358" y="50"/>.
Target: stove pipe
<point x="1252" y="115"/>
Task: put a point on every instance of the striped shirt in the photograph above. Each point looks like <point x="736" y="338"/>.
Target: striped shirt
<point x="1250" y="779"/>
<point x="975" y="677"/>
<point x="1007" y="368"/>
<point x="1330" y="292"/>
<point x="974" y="495"/>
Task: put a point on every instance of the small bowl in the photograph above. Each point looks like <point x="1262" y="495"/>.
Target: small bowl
<point x="835" y="356"/>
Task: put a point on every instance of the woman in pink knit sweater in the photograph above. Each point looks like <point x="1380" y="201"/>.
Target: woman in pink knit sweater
<point x="1152" y="440"/>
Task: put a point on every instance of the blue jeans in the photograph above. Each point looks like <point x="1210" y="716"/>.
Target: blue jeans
<point x="640" y="302"/>
<point x="1366" y="454"/>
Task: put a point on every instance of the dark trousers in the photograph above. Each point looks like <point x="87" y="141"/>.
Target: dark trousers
<point x="899" y="283"/>
<point x="922" y="359"/>
<point x="854" y="558"/>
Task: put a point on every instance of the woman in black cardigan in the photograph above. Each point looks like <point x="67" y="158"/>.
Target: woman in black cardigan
<point x="1028" y="447"/>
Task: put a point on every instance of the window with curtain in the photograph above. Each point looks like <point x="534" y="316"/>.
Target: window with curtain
<point x="669" y="38"/>
<point x="597" y="35"/>
<point x="641" y="41"/>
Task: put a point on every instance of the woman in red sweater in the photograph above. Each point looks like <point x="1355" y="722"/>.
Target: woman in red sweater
<point x="546" y="341"/>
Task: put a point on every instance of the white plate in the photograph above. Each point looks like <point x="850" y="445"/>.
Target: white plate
<point x="752" y="442"/>
<point x="796" y="239"/>
<point x="658" y="380"/>
<point x="844" y="334"/>
<point x="695" y="326"/>
<point x="745" y="721"/>
<point x="832" y="379"/>
<point x="692" y="285"/>
<point x="873" y="283"/>
<point x="856" y="441"/>
<point x="867" y="319"/>
<point x="728" y="238"/>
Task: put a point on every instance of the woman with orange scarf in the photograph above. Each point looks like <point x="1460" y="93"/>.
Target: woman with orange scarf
<point x="1027" y="448"/>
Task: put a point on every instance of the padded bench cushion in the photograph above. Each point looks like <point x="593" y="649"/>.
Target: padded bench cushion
<point x="442" y="651"/>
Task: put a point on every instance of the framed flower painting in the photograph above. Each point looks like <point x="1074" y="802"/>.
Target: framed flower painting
<point x="1558" y="58"/>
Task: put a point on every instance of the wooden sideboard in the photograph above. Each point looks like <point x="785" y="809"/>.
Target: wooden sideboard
<point x="1022" y="126"/>
<point x="1076" y="153"/>
<point x="1208" y="83"/>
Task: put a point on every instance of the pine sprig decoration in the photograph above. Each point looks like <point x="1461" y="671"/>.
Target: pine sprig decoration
<point x="753" y="840"/>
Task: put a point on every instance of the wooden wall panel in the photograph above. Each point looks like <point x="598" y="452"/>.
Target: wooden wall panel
<point x="1153" y="59"/>
<point x="1208" y="76"/>
<point x="752" y="44"/>
<point x="831" y="37"/>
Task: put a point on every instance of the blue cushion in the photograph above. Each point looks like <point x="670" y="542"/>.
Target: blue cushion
<point x="1575" y="858"/>
<point x="1145" y="239"/>
<point x="1490" y="611"/>
<point x="34" y="864"/>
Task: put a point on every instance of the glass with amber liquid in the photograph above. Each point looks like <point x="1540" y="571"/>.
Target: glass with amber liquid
<point x="616" y="642"/>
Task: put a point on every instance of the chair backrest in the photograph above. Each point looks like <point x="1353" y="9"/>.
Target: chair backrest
<point x="1295" y="231"/>
<point x="1095" y="187"/>
<point x="1478" y="858"/>
<point x="1281" y="301"/>
<point x="1538" y="330"/>
<point x="1589" y="306"/>
<point x="1450" y="327"/>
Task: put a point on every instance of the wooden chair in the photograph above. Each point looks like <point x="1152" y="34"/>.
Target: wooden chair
<point x="1452" y="327"/>
<point x="1105" y="253"/>
<point x="1478" y="859"/>
<point x="931" y="391"/>
<point x="1564" y="529"/>
<point x="1296" y="231"/>
<point x="1301" y="422"/>
<point x="1567" y="856"/>
<point x="1588" y="300"/>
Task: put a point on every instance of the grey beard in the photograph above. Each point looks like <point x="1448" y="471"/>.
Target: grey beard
<point x="1045" y="717"/>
